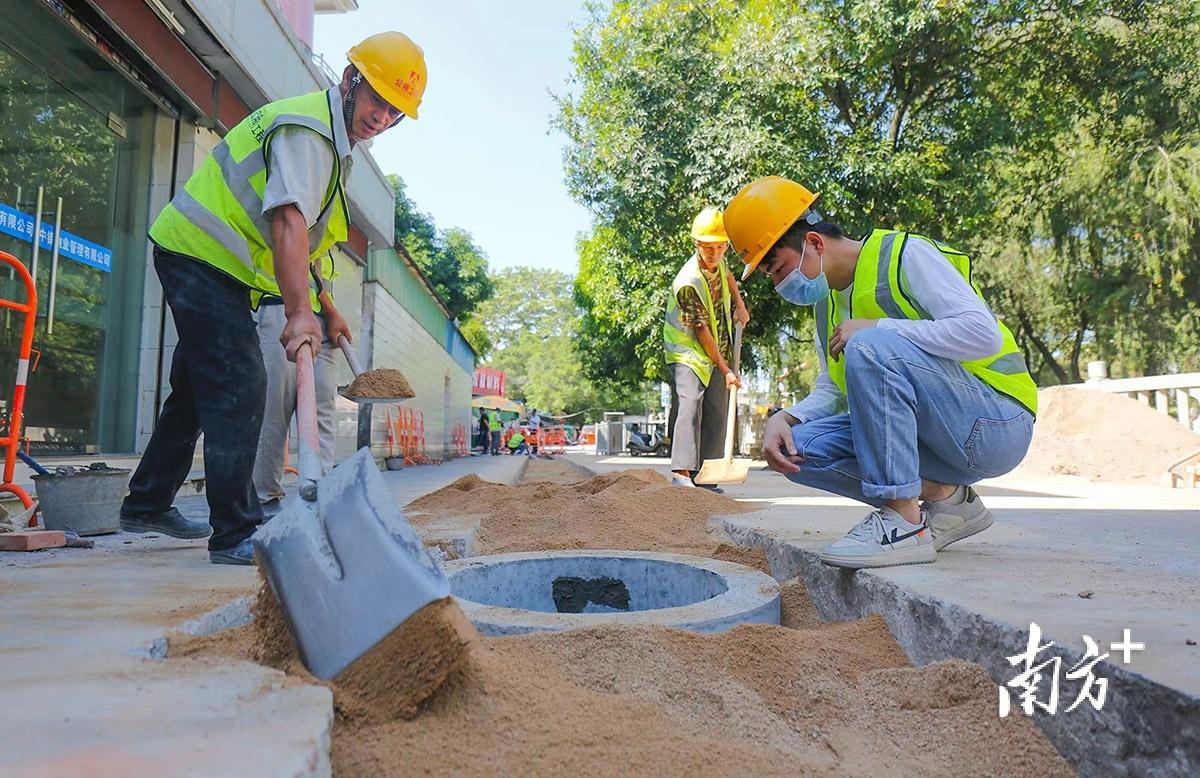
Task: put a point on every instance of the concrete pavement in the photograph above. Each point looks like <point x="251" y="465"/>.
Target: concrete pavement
<point x="80" y="701"/>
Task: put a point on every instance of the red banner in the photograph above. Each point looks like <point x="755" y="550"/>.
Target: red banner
<point x="488" y="381"/>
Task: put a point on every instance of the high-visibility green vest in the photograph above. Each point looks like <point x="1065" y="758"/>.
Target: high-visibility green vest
<point x="877" y="294"/>
<point x="217" y="217"/>
<point x="679" y="342"/>
<point x="494" y="423"/>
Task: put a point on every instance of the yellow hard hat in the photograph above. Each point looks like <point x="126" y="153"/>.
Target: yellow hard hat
<point x="708" y="226"/>
<point x="760" y="213"/>
<point x="394" y="66"/>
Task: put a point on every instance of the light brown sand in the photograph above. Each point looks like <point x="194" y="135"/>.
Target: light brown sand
<point x="380" y="382"/>
<point x="631" y="509"/>
<point x="553" y="471"/>
<point x="1103" y="437"/>
<point x="806" y="698"/>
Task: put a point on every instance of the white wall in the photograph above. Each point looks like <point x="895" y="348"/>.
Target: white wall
<point x="400" y="342"/>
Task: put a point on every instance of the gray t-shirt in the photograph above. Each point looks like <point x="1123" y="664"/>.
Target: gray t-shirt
<point x="301" y="163"/>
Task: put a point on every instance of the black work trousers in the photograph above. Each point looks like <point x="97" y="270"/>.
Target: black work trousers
<point x="218" y="387"/>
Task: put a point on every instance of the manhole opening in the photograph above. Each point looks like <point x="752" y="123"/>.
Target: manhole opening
<point x="556" y="584"/>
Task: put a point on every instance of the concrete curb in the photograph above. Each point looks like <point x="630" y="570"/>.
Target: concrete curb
<point x="715" y="595"/>
<point x="1144" y="728"/>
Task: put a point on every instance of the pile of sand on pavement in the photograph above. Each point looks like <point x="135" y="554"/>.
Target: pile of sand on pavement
<point x="630" y="509"/>
<point x="756" y="700"/>
<point x="1103" y="437"/>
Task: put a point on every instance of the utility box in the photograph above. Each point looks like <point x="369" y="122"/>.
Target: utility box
<point x="610" y="433"/>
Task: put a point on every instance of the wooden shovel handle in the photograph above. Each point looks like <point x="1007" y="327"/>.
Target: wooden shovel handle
<point x="731" y="414"/>
<point x="351" y="356"/>
<point x="306" y="422"/>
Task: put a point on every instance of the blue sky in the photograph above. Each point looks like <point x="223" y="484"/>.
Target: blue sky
<point x="482" y="156"/>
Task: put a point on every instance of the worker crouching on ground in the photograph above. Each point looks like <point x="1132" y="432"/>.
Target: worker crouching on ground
<point x="698" y="342"/>
<point x="228" y="238"/>
<point x="921" y="391"/>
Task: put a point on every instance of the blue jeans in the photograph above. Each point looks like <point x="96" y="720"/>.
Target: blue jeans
<point x="912" y="416"/>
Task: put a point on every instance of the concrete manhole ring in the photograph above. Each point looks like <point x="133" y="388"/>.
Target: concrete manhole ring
<point x="546" y="591"/>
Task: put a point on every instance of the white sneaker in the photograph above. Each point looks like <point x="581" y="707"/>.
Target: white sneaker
<point x="682" y="480"/>
<point x="882" y="539"/>
<point x="959" y="516"/>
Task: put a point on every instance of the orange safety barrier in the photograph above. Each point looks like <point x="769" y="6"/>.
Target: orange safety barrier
<point x="410" y="434"/>
<point x="458" y="440"/>
<point x="11" y="441"/>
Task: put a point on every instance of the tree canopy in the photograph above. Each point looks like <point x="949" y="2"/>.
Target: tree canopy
<point x="532" y="322"/>
<point x="449" y="258"/>
<point x="1055" y="140"/>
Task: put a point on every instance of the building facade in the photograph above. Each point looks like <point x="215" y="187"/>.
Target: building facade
<point x="106" y="108"/>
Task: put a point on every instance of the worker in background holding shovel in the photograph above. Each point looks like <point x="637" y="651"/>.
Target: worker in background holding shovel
<point x="233" y="234"/>
<point x="698" y="341"/>
<point x="921" y="390"/>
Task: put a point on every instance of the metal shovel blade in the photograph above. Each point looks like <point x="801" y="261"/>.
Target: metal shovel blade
<point x="347" y="569"/>
<point x="365" y="400"/>
<point x="723" y="471"/>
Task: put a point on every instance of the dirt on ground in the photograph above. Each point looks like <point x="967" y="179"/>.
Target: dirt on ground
<point x="1103" y="437"/>
<point x="757" y="700"/>
<point x="630" y="509"/>
<point x="805" y="698"/>
<point x="380" y="382"/>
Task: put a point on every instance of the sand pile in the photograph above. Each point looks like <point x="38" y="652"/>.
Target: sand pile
<point x="1103" y="437"/>
<point x="554" y="471"/>
<point x="630" y="509"/>
<point x="380" y="382"/>
<point x="757" y="700"/>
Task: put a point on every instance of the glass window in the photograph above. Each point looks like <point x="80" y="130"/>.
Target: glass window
<point x="74" y="128"/>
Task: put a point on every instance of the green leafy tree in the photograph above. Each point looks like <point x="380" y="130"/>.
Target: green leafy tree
<point x="454" y="265"/>
<point x="532" y="322"/>
<point x="1027" y="132"/>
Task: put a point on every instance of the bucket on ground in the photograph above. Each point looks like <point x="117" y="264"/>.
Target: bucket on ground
<point x="83" y="500"/>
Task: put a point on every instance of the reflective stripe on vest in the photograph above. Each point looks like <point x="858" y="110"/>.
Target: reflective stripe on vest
<point x="680" y="344"/>
<point x="217" y="217"/>
<point x="878" y="294"/>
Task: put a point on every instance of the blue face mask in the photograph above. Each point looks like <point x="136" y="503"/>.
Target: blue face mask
<point x="799" y="289"/>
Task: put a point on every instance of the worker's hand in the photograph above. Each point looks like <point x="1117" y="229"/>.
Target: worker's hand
<point x="335" y="325"/>
<point x="742" y="315"/>
<point x="732" y="380"/>
<point x="778" y="446"/>
<point x="843" y="332"/>
<point x="301" y="328"/>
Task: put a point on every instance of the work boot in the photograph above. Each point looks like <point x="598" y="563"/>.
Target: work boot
<point x="682" y="480"/>
<point x="959" y="516"/>
<point x="241" y="554"/>
<point x="884" y="538"/>
<point x="169" y="522"/>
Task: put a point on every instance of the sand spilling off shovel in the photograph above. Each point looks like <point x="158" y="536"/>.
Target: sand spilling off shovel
<point x="380" y="382"/>
<point x="388" y="682"/>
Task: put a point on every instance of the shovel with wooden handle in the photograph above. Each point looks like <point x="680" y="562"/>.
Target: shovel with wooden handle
<point x="357" y="369"/>
<point x="728" y="470"/>
<point x="342" y="560"/>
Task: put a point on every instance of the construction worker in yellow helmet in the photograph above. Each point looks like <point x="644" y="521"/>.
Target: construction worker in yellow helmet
<point x="921" y="391"/>
<point x="245" y="246"/>
<point x="698" y="346"/>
